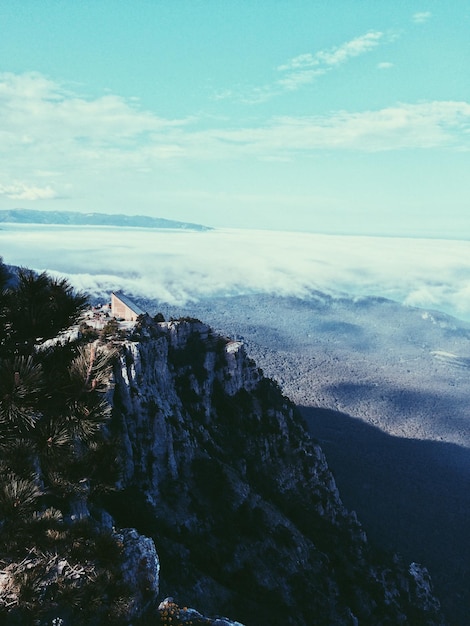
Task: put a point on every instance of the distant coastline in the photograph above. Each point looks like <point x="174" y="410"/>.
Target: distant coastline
<point x="74" y="218"/>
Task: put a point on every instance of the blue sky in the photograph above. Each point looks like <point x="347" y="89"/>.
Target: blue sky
<point x="338" y="116"/>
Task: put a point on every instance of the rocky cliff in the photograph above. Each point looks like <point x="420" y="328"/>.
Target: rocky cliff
<point x="156" y="469"/>
<point x="218" y="469"/>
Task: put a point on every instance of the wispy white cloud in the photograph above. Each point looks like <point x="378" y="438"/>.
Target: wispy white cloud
<point x="384" y="65"/>
<point x="405" y="126"/>
<point x="336" y="55"/>
<point x="35" y="108"/>
<point x="353" y="48"/>
<point x="52" y="139"/>
<point x="177" y="267"/>
<point x="304" y="69"/>
<point x="23" y="191"/>
<point x="47" y="127"/>
<point x="421" y="17"/>
<point x="296" y="79"/>
<point x="431" y="125"/>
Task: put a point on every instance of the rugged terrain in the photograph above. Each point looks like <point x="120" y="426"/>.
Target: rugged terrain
<point x="385" y="389"/>
<point x="156" y="459"/>
<point x="202" y="461"/>
<point x="247" y="520"/>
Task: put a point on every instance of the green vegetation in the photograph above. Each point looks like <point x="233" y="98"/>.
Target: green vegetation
<point x="37" y="307"/>
<point x="57" y="458"/>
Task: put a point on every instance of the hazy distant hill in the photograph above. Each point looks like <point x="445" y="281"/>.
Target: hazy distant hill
<point x="72" y="218"/>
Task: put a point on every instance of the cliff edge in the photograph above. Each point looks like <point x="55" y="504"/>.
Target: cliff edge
<point x="161" y="470"/>
<point x="221" y="472"/>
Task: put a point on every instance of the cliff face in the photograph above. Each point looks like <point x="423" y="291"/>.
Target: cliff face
<point x="218" y="469"/>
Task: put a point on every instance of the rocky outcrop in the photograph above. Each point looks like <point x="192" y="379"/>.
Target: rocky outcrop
<point x="201" y="486"/>
<point x="219" y="470"/>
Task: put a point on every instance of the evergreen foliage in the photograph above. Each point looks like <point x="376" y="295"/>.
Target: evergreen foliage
<point x="38" y="307"/>
<point x="20" y="384"/>
<point x="56" y="456"/>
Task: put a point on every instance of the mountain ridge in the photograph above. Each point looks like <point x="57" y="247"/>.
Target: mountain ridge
<point x="75" y="218"/>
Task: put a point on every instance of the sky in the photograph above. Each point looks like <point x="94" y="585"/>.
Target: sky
<point x="335" y="116"/>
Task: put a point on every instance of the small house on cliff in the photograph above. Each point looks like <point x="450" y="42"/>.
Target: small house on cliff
<point x="123" y="308"/>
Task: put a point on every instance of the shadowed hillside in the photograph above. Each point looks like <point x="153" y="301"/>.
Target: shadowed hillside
<point x="408" y="493"/>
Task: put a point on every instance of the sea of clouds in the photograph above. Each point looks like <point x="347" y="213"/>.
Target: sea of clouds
<point x="177" y="266"/>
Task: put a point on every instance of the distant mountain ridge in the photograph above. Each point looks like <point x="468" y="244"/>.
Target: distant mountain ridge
<point x="74" y="218"/>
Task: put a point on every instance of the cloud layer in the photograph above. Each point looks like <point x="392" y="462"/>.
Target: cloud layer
<point x="56" y="144"/>
<point x="176" y="267"/>
<point x="44" y="123"/>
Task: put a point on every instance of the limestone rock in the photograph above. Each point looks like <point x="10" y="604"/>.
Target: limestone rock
<point x="246" y="516"/>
